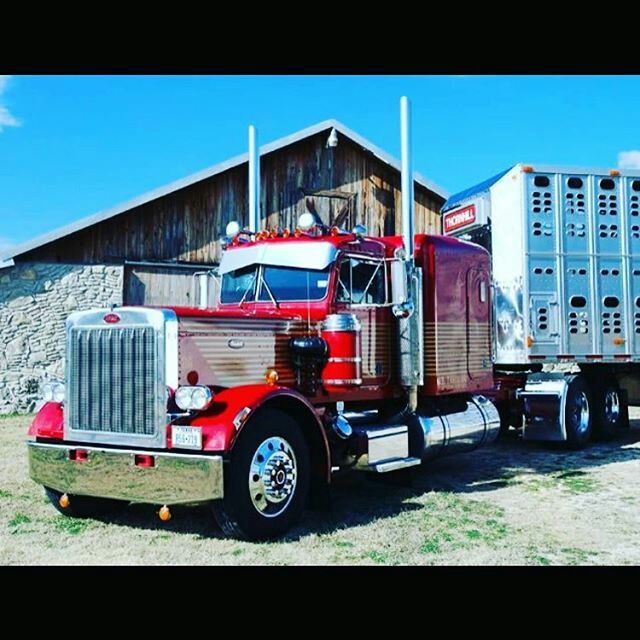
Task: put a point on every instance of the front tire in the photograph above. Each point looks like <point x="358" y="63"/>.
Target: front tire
<point x="84" y="506"/>
<point x="578" y="412"/>
<point x="266" y="479"/>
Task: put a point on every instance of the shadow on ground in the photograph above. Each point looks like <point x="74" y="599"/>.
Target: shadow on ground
<point x="358" y="498"/>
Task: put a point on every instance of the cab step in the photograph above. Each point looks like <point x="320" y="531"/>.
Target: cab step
<point x="393" y="464"/>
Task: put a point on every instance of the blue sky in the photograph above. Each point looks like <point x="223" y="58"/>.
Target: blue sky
<point x="73" y="145"/>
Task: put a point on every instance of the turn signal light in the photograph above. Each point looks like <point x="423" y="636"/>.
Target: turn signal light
<point x="271" y="377"/>
<point x="64" y="501"/>
<point x="164" y="514"/>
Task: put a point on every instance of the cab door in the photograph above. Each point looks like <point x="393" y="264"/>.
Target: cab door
<point x="362" y="289"/>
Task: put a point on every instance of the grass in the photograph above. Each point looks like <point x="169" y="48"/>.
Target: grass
<point x="511" y="504"/>
<point x="456" y="522"/>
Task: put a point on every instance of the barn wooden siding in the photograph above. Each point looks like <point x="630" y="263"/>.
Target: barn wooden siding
<point x="184" y="226"/>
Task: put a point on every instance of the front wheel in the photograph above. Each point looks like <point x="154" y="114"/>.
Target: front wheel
<point x="266" y="479"/>
<point x="84" y="506"/>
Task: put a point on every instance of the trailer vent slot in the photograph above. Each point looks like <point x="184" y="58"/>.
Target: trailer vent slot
<point x="541" y="181"/>
<point x="574" y="183"/>
<point x="635" y="185"/>
<point x="607" y="184"/>
<point x="578" y="302"/>
<point x="611" y="302"/>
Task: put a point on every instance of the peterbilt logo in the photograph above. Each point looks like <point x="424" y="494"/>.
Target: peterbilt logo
<point x="235" y="344"/>
<point x="460" y="218"/>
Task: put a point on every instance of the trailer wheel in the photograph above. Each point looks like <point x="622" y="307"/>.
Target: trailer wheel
<point x="266" y="479"/>
<point x="608" y="414"/>
<point x="84" y="506"/>
<point x="578" y="413"/>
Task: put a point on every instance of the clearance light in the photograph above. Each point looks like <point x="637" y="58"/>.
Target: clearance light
<point x="618" y="341"/>
<point x="614" y="172"/>
<point x="530" y="341"/>
<point x="64" y="501"/>
<point x="193" y="398"/>
<point x="306" y="221"/>
<point x="164" y="514"/>
<point x="232" y="229"/>
<point x="527" y="168"/>
<point x="273" y="234"/>
<point x="286" y="233"/>
<point x="271" y="377"/>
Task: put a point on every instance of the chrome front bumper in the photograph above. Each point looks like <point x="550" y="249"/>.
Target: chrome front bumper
<point x="112" y="473"/>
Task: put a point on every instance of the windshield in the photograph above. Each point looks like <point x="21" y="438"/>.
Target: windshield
<point x="281" y="284"/>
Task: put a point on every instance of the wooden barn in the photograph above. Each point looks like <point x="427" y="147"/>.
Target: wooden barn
<point x="163" y="236"/>
<point x="148" y="250"/>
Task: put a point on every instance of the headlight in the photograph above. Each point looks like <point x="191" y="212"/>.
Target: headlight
<point x="193" y="398"/>
<point x="53" y="392"/>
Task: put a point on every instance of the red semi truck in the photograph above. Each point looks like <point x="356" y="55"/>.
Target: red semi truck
<point x="329" y="350"/>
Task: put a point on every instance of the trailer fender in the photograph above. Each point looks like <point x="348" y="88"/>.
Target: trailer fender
<point x="233" y="410"/>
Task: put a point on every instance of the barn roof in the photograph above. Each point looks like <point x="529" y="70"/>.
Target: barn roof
<point x="325" y="125"/>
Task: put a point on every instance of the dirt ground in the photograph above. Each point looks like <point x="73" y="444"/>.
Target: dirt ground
<point x="513" y="503"/>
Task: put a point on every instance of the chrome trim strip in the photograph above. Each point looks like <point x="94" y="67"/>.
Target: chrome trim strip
<point x="345" y="381"/>
<point x="111" y="473"/>
<point x="357" y="359"/>
<point x="341" y="322"/>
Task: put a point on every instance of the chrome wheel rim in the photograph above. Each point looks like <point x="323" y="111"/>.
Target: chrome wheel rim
<point x="582" y="412"/>
<point x="273" y="477"/>
<point x="612" y="406"/>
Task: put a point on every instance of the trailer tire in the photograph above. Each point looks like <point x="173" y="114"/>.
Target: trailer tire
<point x="578" y="412"/>
<point x="266" y="479"/>
<point x="608" y="411"/>
<point x="84" y="506"/>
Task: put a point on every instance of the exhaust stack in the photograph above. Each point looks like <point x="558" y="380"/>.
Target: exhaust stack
<point x="406" y="177"/>
<point x="409" y="310"/>
<point x="254" y="180"/>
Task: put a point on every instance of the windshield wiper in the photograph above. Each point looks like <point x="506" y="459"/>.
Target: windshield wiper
<point x="268" y="288"/>
<point x="244" y="295"/>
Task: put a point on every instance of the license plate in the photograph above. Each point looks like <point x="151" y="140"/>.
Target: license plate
<point x="187" y="437"/>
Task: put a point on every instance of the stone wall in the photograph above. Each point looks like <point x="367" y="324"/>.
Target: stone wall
<point x="35" y="299"/>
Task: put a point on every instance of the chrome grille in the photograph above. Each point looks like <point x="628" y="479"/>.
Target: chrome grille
<point x="113" y="380"/>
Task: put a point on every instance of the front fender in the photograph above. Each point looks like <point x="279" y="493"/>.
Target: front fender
<point x="217" y="423"/>
<point x="49" y="422"/>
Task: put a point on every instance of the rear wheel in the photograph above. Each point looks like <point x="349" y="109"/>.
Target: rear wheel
<point x="84" y="506"/>
<point x="609" y="411"/>
<point x="266" y="479"/>
<point x="578" y="413"/>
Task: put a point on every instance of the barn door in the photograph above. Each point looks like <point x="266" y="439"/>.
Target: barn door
<point x="151" y="285"/>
